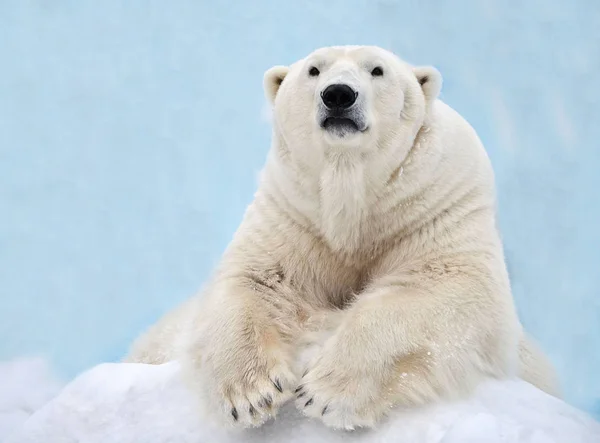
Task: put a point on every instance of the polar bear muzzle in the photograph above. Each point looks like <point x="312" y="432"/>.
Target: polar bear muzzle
<point x="339" y="111"/>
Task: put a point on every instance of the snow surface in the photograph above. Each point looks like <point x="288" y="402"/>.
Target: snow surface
<point x="132" y="403"/>
<point x="26" y="384"/>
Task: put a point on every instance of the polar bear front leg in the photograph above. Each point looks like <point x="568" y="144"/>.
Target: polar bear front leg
<point x="408" y="344"/>
<point x="236" y="358"/>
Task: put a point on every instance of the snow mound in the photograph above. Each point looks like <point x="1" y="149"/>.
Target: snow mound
<point x="129" y="403"/>
<point x="26" y="384"/>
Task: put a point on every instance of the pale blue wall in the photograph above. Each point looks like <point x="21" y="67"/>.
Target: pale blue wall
<point x="131" y="133"/>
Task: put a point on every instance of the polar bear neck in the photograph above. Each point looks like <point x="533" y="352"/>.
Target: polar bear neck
<point x="362" y="205"/>
<point x="359" y="195"/>
<point x="344" y="197"/>
<point x="348" y="197"/>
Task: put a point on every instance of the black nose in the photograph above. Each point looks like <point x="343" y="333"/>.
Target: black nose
<point x="338" y="96"/>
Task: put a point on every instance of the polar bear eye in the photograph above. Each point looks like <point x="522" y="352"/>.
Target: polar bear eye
<point x="377" y="72"/>
<point x="313" y="72"/>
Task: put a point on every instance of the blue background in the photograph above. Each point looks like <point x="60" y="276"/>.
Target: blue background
<point x="131" y="134"/>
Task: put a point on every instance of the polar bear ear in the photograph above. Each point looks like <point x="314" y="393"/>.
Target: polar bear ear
<point x="272" y="81"/>
<point x="430" y="80"/>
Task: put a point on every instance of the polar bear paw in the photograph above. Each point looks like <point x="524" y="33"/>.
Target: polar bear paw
<point x="242" y="394"/>
<point x="251" y="404"/>
<point x="340" y="398"/>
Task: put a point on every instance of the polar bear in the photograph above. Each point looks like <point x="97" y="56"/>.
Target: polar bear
<point x="371" y="240"/>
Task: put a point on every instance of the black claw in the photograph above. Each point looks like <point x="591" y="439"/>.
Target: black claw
<point x="266" y="401"/>
<point x="277" y="384"/>
<point x="305" y="372"/>
<point x="324" y="410"/>
<point x="251" y="410"/>
<point x="302" y="394"/>
<point x="308" y="403"/>
<point x="298" y="389"/>
<point x="234" y="414"/>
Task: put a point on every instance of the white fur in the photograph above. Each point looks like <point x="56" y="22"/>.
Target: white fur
<point x="378" y="248"/>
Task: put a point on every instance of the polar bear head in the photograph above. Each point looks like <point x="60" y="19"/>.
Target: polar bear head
<point x="350" y="98"/>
